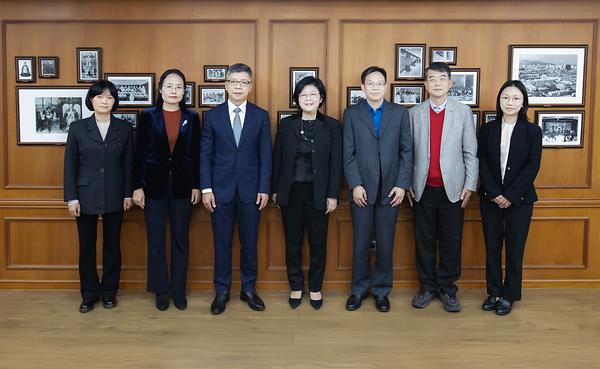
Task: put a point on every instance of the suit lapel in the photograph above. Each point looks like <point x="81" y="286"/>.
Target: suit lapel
<point x="113" y="130"/>
<point x="365" y="116"/>
<point x="92" y="129"/>
<point x="160" y="124"/>
<point x="495" y="144"/>
<point x="424" y="118"/>
<point x="227" y="123"/>
<point x="248" y="123"/>
<point x="386" y="117"/>
<point x="184" y="125"/>
<point x="448" y="127"/>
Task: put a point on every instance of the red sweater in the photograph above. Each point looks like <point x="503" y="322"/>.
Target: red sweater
<point x="436" y="124"/>
<point x="172" y="119"/>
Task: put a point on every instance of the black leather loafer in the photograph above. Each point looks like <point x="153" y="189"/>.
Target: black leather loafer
<point x="109" y="302"/>
<point x="219" y="303"/>
<point x="87" y="305"/>
<point x="253" y="300"/>
<point x="503" y="307"/>
<point x="354" y="302"/>
<point x="490" y="303"/>
<point x="382" y="304"/>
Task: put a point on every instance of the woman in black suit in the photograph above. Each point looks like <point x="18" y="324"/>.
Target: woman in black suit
<point x="510" y="151"/>
<point x="98" y="180"/>
<point x="307" y="167"/>
<point x="166" y="179"/>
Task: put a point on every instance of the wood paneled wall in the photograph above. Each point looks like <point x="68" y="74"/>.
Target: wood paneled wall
<point x="38" y="239"/>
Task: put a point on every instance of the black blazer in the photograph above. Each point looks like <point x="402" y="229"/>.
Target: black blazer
<point x="153" y="160"/>
<point x="98" y="173"/>
<point x="327" y="158"/>
<point x="523" y="163"/>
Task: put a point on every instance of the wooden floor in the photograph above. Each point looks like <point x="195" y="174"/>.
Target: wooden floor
<point x="557" y="328"/>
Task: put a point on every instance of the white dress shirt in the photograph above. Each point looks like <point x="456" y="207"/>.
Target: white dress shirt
<point x="507" y="130"/>
<point x="438" y="108"/>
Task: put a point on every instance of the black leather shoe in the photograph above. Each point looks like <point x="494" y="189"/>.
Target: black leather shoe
<point x="87" y="305"/>
<point x="109" y="302"/>
<point x="382" y="304"/>
<point x="490" y="303"/>
<point x="253" y="300"/>
<point x="316" y="304"/>
<point x="294" y="303"/>
<point x="180" y="302"/>
<point x="423" y="298"/>
<point x="354" y="302"/>
<point x="450" y="302"/>
<point x="503" y="307"/>
<point x="219" y="303"/>
<point x="162" y="301"/>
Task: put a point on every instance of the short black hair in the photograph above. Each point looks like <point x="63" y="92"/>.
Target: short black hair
<point x="439" y="67"/>
<point x="161" y="81"/>
<point x="372" y="69"/>
<point x="309" y="81"/>
<point x="97" y="89"/>
<point x="518" y="84"/>
<point x="238" y="68"/>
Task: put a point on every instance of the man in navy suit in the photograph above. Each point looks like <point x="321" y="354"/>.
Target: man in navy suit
<point x="235" y="167"/>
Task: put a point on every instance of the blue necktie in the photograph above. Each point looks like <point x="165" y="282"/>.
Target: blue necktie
<point x="237" y="126"/>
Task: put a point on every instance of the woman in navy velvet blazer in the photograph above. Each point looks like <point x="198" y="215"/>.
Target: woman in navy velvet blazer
<point x="509" y="151"/>
<point x="166" y="178"/>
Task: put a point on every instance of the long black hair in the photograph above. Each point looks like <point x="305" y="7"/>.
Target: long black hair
<point x="518" y="84"/>
<point x="161" y="81"/>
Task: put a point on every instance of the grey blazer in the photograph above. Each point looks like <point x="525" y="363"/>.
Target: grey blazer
<point x="367" y="158"/>
<point x="458" y="152"/>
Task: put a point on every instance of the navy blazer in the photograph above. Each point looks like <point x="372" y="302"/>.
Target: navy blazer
<point x="98" y="172"/>
<point x="153" y="160"/>
<point x="326" y="157"/>
<point x="226" y="167"/>
<point x="523" y="164"/>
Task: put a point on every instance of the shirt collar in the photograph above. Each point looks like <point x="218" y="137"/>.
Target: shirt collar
<point x="380" y="108"/>
<point x="231" y="106"/>
<point x="438" y="108"/>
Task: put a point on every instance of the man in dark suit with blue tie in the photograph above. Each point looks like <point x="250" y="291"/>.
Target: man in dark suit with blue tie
<point x="235" y="177"/>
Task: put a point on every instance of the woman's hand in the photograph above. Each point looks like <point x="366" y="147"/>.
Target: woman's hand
<point x="127" y="204"/>
<point x="139" y="198"/>
<point x="196" y="196"/>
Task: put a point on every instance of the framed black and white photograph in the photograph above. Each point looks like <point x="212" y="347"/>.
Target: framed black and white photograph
<point x="489" y="116"/>
<point x="296" y="74"/>
<point x="443" y="54"/>
<point x="354" y="95"/>
<point x="44" y="114"/>
<point x="89" y="64"/>
<point x="284" y="114"/>
<point x="476" y="119"/>
<point x="561" y="128"/>
<point x="48" y="66"/>
<point x="465" y="86"/>
<point x="409" y="61"/>
<point x="128" y="116"/>
<point x="211" y="96"/>
<point x="552" y="74"/>
<point x="215" y="73"/>
<point x="190" y="94"/>
<point x="135" y="89"/>
<point x="25" y="69"/>
<point x="407" y="95"/>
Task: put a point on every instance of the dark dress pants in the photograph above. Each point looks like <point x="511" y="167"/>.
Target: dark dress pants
<point x="438" y="219"/>
<point x="156" y="213"/>
<point x="90" y="285"/>
<point x="224" y="217"/>
<point x="510" y="225"/>
<point x="298" y="215"/>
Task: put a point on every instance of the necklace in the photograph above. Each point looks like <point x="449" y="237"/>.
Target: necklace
<point x="302" y="131"/>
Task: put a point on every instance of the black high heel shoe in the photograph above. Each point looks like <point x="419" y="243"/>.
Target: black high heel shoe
<point x="316" y="304"/>
<point x="294" y="303"/>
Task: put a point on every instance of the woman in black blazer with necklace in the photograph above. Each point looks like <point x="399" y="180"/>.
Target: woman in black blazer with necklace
<point x="307" y="169"/>
<point x="510" y="151"/>
<point x="167" y="183"/>
<point x="98" y="180"/>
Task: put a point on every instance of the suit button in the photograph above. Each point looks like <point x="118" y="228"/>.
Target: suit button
<point x="507" y="168"/>
<point x="101" y="170"/>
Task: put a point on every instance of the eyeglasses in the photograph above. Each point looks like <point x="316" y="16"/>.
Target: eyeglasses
<point x="176" y="87"/>
<point x="243" y="82"/>
<point x="435" y="80"/>
<point x="373" y="85"/>
<point x="312" y="95"/>
<point x="104" y="97"/>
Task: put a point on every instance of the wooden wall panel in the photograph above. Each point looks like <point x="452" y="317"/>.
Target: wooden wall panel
<point x="39" y="239"/>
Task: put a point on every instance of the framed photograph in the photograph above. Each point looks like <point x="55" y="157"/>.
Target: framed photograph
<point x="135" y="89"/>
<point x="128" y="116"/>
<point x="284" y="114"/>
<point x="488" y="116"/>
<point x="296" y="74"/>
<point x="552" y="74"/>
<point x="44" y="114"/>
<point x="562" y="128"/>
<point x="408" y="94"/>
<point x="465" y="86"/>
<point x="476" y="119"/>
<point x="190" y="94"/>
<point x="48" y="66"/>
<point x="443" y="54"/>
<point x="89" y="64"/>
<point x="409" y="61"/>
<point x="25" y="69"/>
<point x="215" y="73"/>
<point x="211" y="96"/>
<point x="354" y="95"/>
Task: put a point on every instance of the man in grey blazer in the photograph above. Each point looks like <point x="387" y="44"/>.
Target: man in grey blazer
<point x="444" y="176"/>
<point x="378" y="166"/>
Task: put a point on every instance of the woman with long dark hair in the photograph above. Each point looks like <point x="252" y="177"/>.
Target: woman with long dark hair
<point x="167" y="184"/>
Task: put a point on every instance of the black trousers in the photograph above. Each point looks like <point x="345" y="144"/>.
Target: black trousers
<point x="299" y="215"/>
<point x="438" y="219"/>
<point x="510" y="225"/>
<point x="156" y="213"/>
<point x="90" y="285"/>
